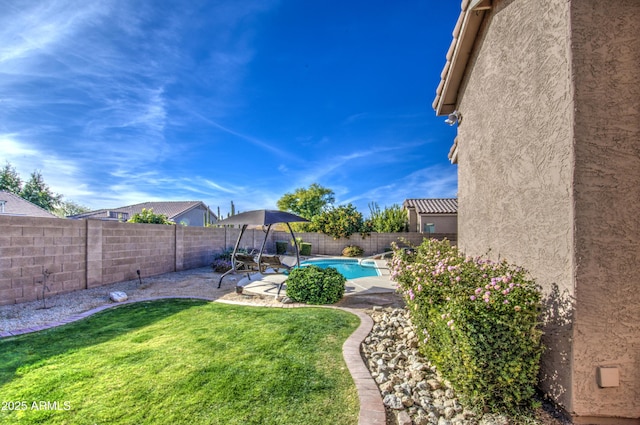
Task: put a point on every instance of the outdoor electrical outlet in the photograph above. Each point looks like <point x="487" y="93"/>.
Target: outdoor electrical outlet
<point x="608" y="376"/>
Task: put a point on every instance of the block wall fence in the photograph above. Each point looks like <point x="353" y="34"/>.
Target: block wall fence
<point x="70" y="255"/>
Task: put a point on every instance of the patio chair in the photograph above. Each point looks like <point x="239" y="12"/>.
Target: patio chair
<point x="273" y="262"/>
<point x="246" y="262"/>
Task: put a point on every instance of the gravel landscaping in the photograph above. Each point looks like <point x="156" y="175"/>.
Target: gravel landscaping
<point x="413" y="392"/>
<point x="195" y="283"/>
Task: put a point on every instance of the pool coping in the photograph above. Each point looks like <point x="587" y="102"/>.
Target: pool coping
<point x="378" y="264"/>
<point x="372" y="411"/>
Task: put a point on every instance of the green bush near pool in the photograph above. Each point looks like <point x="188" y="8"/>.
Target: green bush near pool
<point x="314" y="285"/>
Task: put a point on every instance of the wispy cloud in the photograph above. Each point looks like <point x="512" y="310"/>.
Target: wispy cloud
<point x="438" y="181"/>
<point x="223" y="188"/>
<point x="102" y="71"/>
<point x="32" y="28"/>
<point x="12" y="148"/>
<point x="59" y="173"/>
<point x="367" y="156"/>
<point x="282" y="153"/>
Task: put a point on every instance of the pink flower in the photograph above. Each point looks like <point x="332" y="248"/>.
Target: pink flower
<point x="472" y="297"/>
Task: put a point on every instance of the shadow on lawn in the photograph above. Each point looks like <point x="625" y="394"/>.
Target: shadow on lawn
<point x="29" y="349"/>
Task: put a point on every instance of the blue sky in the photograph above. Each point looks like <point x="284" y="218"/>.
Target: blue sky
<point x="120" y="102"/>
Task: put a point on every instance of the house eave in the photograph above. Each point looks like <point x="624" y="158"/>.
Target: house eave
<point x="464" y="37"/>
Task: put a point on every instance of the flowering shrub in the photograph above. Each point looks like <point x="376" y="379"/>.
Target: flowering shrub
<point x="222" y="261"/>
<point x="477" y="322"/>
<point x="220" y="265"/>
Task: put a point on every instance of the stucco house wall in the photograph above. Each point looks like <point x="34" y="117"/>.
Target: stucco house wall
<point x="193" y="217"/>
<point x="515" y="157"/>
<point x="442" y="223"/>
<point x="605" y="47"/>
<point x="549" y="173"/>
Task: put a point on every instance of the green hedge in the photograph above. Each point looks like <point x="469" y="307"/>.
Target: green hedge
<point x="305" y="248"/>
<point x="314" y="285"/>
<point x="281" y="247"/>
<point x="477" y="321"/>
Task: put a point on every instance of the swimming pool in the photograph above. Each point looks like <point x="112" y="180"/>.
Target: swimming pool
<point x="348" y="267"/>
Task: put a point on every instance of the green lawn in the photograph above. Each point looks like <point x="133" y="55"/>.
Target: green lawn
<point x="183" y="361"/>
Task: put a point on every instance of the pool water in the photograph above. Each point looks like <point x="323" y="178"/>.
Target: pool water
<point x="349" y="268"/>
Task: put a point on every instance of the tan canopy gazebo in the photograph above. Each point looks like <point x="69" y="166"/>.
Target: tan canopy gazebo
<point x="266" y="219"/>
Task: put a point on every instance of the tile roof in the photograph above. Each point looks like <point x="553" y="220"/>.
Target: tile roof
<point x="12" y="204"/>
<point x="433" y="205"/>
<point x="171" y="209"/>
<point x="464" y="34"/>
<point x="453" y="151"/>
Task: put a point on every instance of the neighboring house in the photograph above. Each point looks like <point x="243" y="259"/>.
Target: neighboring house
<point x="547" y="95"/>
<point x="12" y="204"/>
<point x="432" y="215"/>
<point x="188" y="213"/>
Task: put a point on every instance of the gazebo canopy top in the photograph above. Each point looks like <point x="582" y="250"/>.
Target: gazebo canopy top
<point x="262" y="218"/>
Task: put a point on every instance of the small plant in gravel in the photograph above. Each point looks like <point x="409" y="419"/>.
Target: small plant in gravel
<point x="314" y="285"/>
<point x="477" y="322"/>
<point x="221" y="265"/>
<point x="222" y="261"/>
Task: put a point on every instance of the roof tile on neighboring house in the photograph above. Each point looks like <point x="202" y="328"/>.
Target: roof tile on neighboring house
<point x="171" y="209"/>
<point x="12" y="204"/>
<point x="433" y="205"/>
